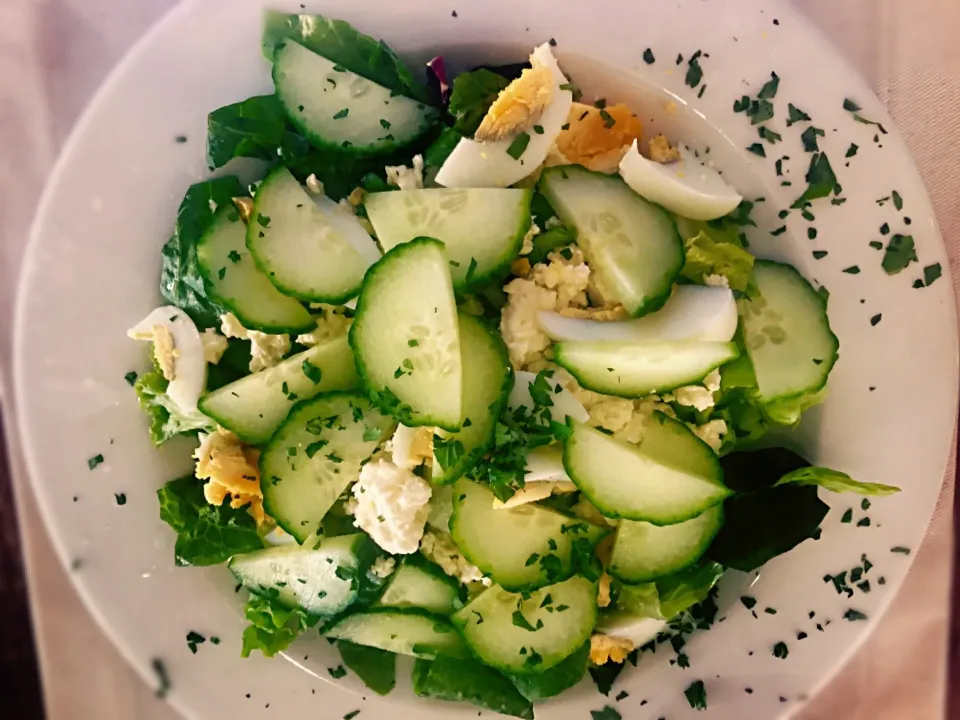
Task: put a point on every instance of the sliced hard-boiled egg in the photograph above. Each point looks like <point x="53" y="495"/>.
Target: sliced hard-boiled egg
<point x="598" y="138"/>
<point x="544" y="476"/>
<point x="564" y="402"/>
<point x="686" y="187"/>
<point x="693" y="312"/>
<point x="349" y="227"/>
<point x="412" y="446"/>
<point x="501" y="163"/>
<point x="179" y="351"/>
<point x="636" y="629"/>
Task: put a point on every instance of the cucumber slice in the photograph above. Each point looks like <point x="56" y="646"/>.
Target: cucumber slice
<point x="693" y="312"/>
<point x="232" y="279"/>
<point x="406" y="631"/>
<point x="787" y="335"/>
<point x="482" y="228"/>
<point x="520" y="548"/>
<point x="297" y="246"/>
<point x="420" y="583"/>
<point x="314" y="455"/>
<point x="633" y="244"/>
<point x="530" y="633"/>
<point x="254" y="406"/>
<point x="638" y="369"/>
<point x="671" y="477"/>
<point x="324" y="580"/>
<point x="406" y="337"/>
<point x="336" y="108"/>
<point x="486" y="364"/>
<point x="645" y="552"/>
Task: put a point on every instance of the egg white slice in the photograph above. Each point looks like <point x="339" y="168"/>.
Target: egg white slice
<point x="403" y="441"/>
<point x="636" y="629"/>
<point x="190" y="365"/>
<point x="686" y="187"/>
<point x="487" y="164"/>
<point x="544" y="475"/>
<point x="564" y="401"/>
<point x="693" y="312"/>
<point x="346" y="223"/>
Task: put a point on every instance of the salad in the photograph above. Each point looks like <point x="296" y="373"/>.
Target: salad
<point x="479" y="373"/>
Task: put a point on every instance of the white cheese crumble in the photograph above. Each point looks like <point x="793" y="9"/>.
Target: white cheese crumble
<point x="700" y="397"/>
<point x="214" y="345"/>
<point x="314" y="185"/>
<point x="392" y="506"/>
<point x="716" y="281"/>
<point x="331" y="323"/>
<point x="406" y="178"/>
<point x="518" y="324"/>
<point x="711" y="432"/>
<point x="527" y="246"/>
<point x="266" y="350"/>
<point x="383" y="567"/>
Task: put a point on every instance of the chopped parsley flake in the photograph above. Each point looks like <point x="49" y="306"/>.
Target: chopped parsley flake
<point x="131" y="378"/>
<point x="697" y="695"/>
<point x="899" y="254"/>
<point x="931" y="273"/>
<point x="809" y="138"/>
<point x="519" y="145"/>
<point x="897" y="200"/>
<point x="850" y="106"/>
<point x="847" y="516"/>
<point x="694" y="71"/>
<point x="852" y="150"/>
<point x="852" y="270"/>
<point x="194" y="639"/>
<point x="648" y="57"/>
<point x="757" y="149"/>
<point x="748" y="602"/>
<point x="313" y="373"/>
<point x="607" y="713"/>
<point x="900" y="550"/>
<point x="338" y="672"/>
<point x="780" y="650"/>
<point x="163" y="677"/>
<point x="121" y="498"/>
<point x="852" y="615"/>
<point x="875" y="319"/>
<point x="795" y="115"/>
<point x="94" y="461"/>
<point x="342" y="114"/>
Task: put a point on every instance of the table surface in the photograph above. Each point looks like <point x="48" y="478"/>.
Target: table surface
<point x="54" y="54"/>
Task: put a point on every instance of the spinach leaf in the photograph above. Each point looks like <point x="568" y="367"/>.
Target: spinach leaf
<point x="555" y="680"/>
<point x="473" y="94"/>
<point x="253" y="128"/>
<point x="180" y="281"/>
<point x="546" y="242"/>
<point x="835" y="481"/>
<point x="764" y="519"/>
<point x="377" y="668"/>
<point x="469" y="681"/>
<point x="341" y="43"/>
<point x="166" y="418"/>
<point x="440" y="149"/>
<point x="273" y="627"/>
<point x="206" y="534"/>
<point x="682" y="590"/>
<point x="233" y="365"/>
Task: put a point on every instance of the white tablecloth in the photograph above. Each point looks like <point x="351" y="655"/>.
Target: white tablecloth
<point x="53" y="55"/>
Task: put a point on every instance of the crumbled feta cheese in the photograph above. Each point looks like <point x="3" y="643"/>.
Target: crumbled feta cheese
<point x="518" y="324"/>
<point x="314" y="185"/>
<point x="230" y="467"/>
<point x="716" y="281"/>
<point x="553" y="222"/>
<point x="392" y="506"/>
<point x="700" y="397"/>
<point x="406" y="178"/>
<point x="439" y="547"/>
<point x="711" y="432"/>
<point x="331" y="323"/>
<point x="412" y="446"/>
<point x="383" y="567"/>
<point x="527" y="246"/>
<point x="611" y="413"/>
<point x="604" y="649"/>
<point x="266" y="350"/>
<point x="214" y="345"/>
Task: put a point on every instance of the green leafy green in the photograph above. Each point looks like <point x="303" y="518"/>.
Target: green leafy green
<point x="180" y="281"/>
<point x="764" y="519"/>
<point x="671" y="595"/>
<point x="899" y="253"/>
<point x="555" y="680"/>
<point x="377" y="668"/>
<point x="206" y="534"/>
<point x="787" y="411"/>
<point x="835" y="481"/>
<point x="711" y="252"/>
<point x="473" y="94"/>
<point x="439" y="150"/>
<point x="254" y="128"/>
<point x="469" y="681"/>
<point x="273" y="627"/>
<point x="341" y="43"/>
<point x="166" y="418"/>
<point x="546" y="242"/>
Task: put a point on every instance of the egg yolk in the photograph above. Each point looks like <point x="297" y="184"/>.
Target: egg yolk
<point x="597" y="138"/>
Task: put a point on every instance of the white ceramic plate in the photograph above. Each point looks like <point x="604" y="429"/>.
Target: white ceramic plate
<point x="92" y="270"/>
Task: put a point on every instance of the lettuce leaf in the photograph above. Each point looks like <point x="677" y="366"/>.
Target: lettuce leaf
<point x="340" y="42"/>
<point x="377" y="668"/>
<point x="787" y="411"/>
<point x="206" y="534"/>
<point x="835" y="481"/>
<point x="253" y="128"/>
<point x="166" y="418"/>
<point x="764" y="519"/>
<point x="469" y="681"/>
<point x="708" y="256"/>
<point x="273" y="627"/>
<point x="473" y="94"/>
<point x="180" y="281"/>
<point x="669" y="596"/>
